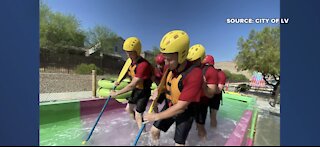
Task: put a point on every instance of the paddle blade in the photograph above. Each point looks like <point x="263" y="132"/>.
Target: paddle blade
<point x="124" y="69"/>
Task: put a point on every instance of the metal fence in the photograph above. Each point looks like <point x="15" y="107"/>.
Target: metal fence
<point x="66" y="63"/>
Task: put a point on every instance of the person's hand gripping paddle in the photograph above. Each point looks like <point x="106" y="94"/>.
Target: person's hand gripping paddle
<point x="160" y="90"/>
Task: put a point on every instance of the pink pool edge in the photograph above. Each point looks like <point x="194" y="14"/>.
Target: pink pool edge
<point x="239" y="135"/>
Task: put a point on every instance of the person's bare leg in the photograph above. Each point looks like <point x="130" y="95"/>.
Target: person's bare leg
<point x="138" y="117"/>
<point x="202" y="133"/>
<point x="129" y="109"/>
<point x="155" y="136"/>
<point x="213" y="117"/>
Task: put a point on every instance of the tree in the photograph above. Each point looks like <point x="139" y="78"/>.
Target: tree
<point x="235" y="77"/>
<point x="154" y="52"/>
<point x="104" y="35"/>
<point x="261" y="52"/>
<point x="45" y="13"/>
<point x="59" y="31"/>
<point x="228" y="74"/>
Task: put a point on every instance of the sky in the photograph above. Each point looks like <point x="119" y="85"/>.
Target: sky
<point x="149" y="20"/>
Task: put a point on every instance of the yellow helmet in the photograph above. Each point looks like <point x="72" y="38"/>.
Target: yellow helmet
<point x="196" y="52"/>
<point x="132" y="44"/>
<point x="176" y="41"/>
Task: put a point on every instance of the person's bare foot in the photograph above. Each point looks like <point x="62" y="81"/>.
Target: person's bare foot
<point x="203" y="138"/>
<point x="202" y="133"/>
<point x="155" y="143"/>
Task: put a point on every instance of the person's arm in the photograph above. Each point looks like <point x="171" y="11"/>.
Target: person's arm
<point x="141" y="71"/>
<point x="117" y="83"/>
<point x="222" y="81"/>
<point x="190" y="93"/>
<point x="210" y="90"/>
<point x="130" y="86"/>
<point x="176" y="109"/>
<point x="220" y="88"/>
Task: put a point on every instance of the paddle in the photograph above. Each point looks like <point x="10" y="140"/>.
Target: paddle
<point x="160" y="90"/>
<point x="120" y="77"/>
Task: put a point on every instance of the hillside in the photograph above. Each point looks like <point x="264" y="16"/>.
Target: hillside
<point x="231" y="66"/>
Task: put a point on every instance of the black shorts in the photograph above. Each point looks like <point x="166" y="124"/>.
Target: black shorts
<point x="140" y="98"/>
<point x="201" y="113"/>
<point x="214" y="103"/>
<point x="183" y="124"/>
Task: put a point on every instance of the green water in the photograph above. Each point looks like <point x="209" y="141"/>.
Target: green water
<point x="58" y="121"/>
<point x="58" y="111"/>
<point x="58" y="133"/>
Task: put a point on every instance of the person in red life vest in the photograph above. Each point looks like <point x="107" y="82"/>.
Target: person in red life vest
<point x="210" y="74"/>
<point x="158" y="73"/>
<point x="214" y="101"/>
<point x="140" y="72"/>
<point x="183" y="88"/>
<point x="159" y="69"/>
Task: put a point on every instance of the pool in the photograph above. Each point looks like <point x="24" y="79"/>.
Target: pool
<point x="69" y="123"/>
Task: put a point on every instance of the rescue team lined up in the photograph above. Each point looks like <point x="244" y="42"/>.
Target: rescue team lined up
<point x="192" y="85"/>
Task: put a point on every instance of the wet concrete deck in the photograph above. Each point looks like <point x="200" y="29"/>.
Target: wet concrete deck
<point x="267" y="132"/>
<point x="267" y="129"/>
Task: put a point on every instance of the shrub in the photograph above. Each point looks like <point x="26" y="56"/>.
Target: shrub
<point x="87" y="69"/>
<point x="235" y="77"/>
